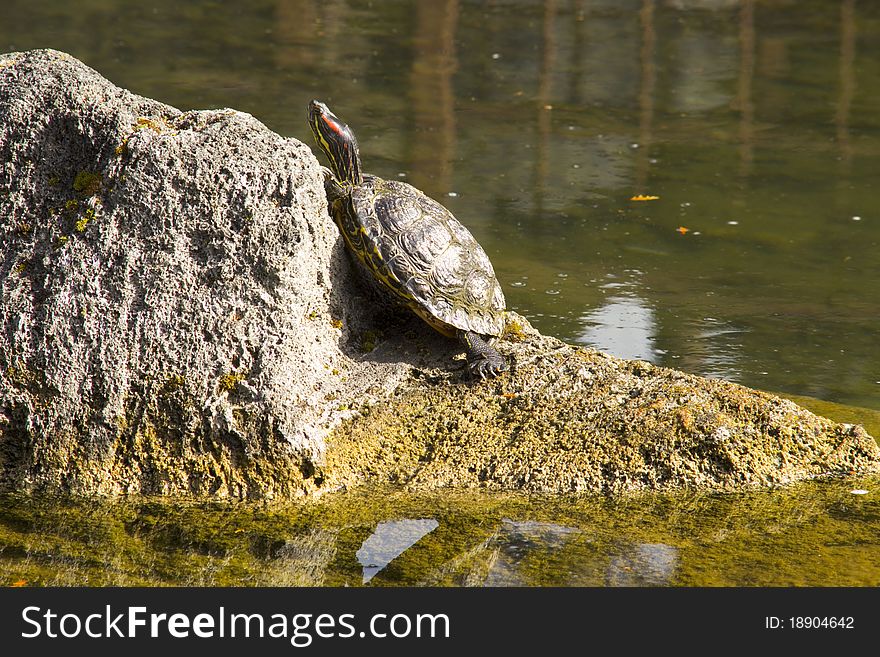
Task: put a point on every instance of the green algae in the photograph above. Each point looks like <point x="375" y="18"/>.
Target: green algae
<point x="808" y="534"/>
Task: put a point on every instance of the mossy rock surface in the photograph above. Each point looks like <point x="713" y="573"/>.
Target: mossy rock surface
<point x="570" y="419"/>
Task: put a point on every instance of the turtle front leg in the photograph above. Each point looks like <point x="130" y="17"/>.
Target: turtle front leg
<point x="483" y="360"/>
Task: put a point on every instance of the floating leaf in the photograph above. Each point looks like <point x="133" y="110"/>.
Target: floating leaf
<point x="19" y="583"/>
<point x="642" y="197"/>
<point x="682" y="229"/>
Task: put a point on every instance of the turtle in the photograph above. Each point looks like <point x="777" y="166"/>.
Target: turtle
<point x="413" y="247"/>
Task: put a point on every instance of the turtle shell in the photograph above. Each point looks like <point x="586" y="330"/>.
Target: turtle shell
<point x="420" y="252"/>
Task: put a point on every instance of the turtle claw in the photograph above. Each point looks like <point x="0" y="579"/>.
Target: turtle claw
<point x="482" y="360"/>
<point x="487" y="368"/>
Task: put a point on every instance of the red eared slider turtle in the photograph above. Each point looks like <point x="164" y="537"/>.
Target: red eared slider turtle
<point x="413" y="247"/>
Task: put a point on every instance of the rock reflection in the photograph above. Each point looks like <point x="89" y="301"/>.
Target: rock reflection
<point x="391" y="539"/>
<point x="516" y="542"/>
<point x="715" y="349"/>
<point x="303" y="560"/>
<point x="643" y="564"/>
<point x="810" y="534"/>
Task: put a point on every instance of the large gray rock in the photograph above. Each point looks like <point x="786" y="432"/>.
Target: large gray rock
<point x="178" y="316"/>
<point x="167" y="314"/>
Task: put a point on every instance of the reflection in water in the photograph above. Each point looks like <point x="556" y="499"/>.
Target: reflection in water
<point x="703" y="4"/>
<point x="390" y="540"/>
<point x="623" y="326"/>
<point x="715" y="349"/>
<point x="544" y="106"/>
<point x="647" y="91"/>
<point x="744" y="102"/>
<point x="433" y="66"/>
<point x="643" y="564"/>
<point x="518" y="541"/>
<point x="627" y="327"/>
<point x="704" y="63"/>
<point x="847" y="79"/>
<point x="810" y="534"/>
<point x="303" y="560"/>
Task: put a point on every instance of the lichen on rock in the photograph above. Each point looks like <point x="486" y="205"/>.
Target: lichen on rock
<point x="572" y="420"/>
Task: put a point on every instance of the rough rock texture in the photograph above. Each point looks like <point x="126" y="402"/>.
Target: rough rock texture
<point x="166" y="298"/>
<point x="177" y="316"/>
<point x="570" y="419"/>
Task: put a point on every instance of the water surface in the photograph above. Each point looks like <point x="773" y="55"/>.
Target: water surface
<point x="812" y="534"/>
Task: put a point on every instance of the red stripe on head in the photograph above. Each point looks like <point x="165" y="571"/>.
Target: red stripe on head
<point x="333" y="125"/>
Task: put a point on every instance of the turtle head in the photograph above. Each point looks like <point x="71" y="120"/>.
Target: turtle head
<point x="337" y="141"/>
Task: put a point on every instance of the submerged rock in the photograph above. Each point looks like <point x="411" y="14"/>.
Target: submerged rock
<point x="179" y="316"/>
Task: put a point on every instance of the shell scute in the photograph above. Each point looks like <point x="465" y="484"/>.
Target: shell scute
<point x="427" y="256"/>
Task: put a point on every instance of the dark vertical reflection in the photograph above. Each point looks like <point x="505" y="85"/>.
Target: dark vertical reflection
<point x="646" y="93"/>
<point x="744" y="87"/>
<point x="545" y="89"/>
<point x="576" y="67"/>
<point x="433" y="96"/>
<point x="847" y="78"/>
<point x="296" y="23"/>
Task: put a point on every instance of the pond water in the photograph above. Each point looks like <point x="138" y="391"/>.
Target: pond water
<point x="812" y="534"/>
<point x="755" y="125"/>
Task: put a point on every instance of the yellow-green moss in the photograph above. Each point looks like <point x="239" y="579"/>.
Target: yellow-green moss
<point x="84" y="220"/>
<point x="513" y="331"/>
<point x="580" y="421"/>
<point x="88" y="182"/>
<point x="229" y="381"/>
<point x="369" y="340"/>
<point x="159" y="125"/>
<point x="175" y="382"/>
<point x="23" y="377"/>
